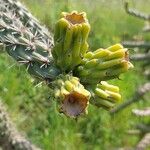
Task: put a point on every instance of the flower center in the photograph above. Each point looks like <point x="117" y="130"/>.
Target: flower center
<point x="74" y="104"/>
<point x="75" y="18"/>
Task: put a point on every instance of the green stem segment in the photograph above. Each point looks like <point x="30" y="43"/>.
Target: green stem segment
<point x="27" y="48"/>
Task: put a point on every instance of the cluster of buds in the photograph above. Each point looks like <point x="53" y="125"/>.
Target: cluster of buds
<point x="105" y="95"/>
<point x="71" y="54"/>
<point x="104" y="64"/>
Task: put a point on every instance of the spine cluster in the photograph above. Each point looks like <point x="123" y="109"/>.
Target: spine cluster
<point x="27" y="47"/>
<point x="17" y="10"/>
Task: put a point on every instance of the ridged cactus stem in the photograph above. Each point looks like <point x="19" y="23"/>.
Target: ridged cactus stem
<point x="72" y="97"/>
<point x="105" y="95"/>
<point x="70" y="38"/>
<point x="27" y="48"/>
<point x="29" y="21"/>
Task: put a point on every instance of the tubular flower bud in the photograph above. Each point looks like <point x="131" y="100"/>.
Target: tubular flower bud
<point x="71" y="33"/>
<point x="105" y="95"/>
<point x="103" y="64"/>
<point x="72" y="97"/>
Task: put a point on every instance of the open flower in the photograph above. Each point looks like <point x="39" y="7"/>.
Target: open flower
<point x="74" y="104"/>
<point x="73" y="98"/>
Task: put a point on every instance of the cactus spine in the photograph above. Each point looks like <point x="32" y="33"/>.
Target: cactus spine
<point x="70" y="38"/>
<point x="26" y="47"/>
<point x="17" y="10"/>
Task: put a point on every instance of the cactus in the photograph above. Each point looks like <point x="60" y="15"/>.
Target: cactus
<point x="72" y="97"/>
<point x="19" y="11"/>
<point x="27" y="48"/>
<point x="66" y="63"/>
<point x="105" y="95"/>
<point x="70" y="40"/>
<point x="10" y="138"/>
<point x="103" y="64"/>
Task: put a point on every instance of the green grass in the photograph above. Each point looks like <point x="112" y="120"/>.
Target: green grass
<point x="32" y="108"/>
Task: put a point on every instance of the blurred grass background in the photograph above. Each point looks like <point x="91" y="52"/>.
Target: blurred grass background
<point x="32" y="108"/>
